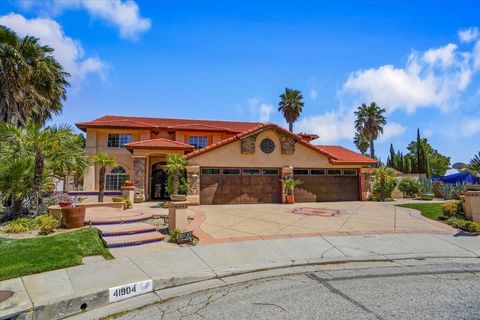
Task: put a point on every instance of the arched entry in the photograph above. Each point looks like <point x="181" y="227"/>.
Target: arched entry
<point x="158" y="184"/>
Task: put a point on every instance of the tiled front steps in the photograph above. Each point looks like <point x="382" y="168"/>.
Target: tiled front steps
<point x="133" y="239"/>
<point x="123" y="228"/>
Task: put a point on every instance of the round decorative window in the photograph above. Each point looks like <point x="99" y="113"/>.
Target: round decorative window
<point x="267" y="145"/>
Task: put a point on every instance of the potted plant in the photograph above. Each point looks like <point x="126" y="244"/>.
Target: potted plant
<point x="290" y="184"/>
<point x="427" y="187"/>
<point x="137" y="197"/>
<point x="128" y="183"/>
<point x="73" y="216"/>
<point x="176" y="169"/>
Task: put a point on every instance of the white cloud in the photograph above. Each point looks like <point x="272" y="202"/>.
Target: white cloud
<point x="470" y="127"/>
<point x="259" y="109"/>
<point x="68" y="51"/>
<point x="432" y="79"/>
<point x="122" y="14"/>
<point x="313" y="94"/>
<point x="331" y="126"/>
<point x="444" y="56"/>
<point x="391" y="130"/>
<point x="468" y="35"/>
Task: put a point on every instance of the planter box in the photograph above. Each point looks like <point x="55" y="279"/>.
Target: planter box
<point x="178" y="197"/>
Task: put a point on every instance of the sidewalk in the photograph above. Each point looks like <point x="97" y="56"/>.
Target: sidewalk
<point x="61" y="293"/>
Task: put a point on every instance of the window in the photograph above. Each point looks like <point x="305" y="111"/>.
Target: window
<point x="272" y="172"/>
<point x="231" y="171"/>
<point x="114" y="180"/>
<point x="198" y="142"/>
<point x="116" y="140"/>
<point x="349" y="172"/>
<point x="251" y="171"/>
<point x="210" y="171"/>
<point x="334" y="172"/>
<point x="317" y="172"/>
<point x="302" y="172"/>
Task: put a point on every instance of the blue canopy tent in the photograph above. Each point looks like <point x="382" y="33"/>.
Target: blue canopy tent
<point x="461" y="177"/>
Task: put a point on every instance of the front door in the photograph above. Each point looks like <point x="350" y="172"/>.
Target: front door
<point x="159" y="182"/>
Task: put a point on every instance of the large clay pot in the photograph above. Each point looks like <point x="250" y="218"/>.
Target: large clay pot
<point x="73" y="217"/>
<point x="427" y="196"/>
<point x="290" y="199"/>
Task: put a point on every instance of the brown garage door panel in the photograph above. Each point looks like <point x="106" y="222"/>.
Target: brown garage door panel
<point x="327" y="188"/>
<point x="222" y="189"/>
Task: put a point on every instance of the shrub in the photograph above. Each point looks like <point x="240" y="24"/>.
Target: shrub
<point x="46" y="223"/>
<point x="127" y="204"/>
<point x="118" y="199"/>
<point x="19" y="225"/>
<point x="452" y="208"/>
<point x="409" y="186"/>
<point x="390" y="184"/>
<point x="463" y="224"/>
<point x="173" y="235"/>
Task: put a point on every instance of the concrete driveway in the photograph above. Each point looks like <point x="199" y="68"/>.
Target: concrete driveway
<point x="236" y="222"/>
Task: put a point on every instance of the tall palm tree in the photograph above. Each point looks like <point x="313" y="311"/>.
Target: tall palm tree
<point x="32" y="83"/>
<point x="360" y="142"/>
<point x="291" y="105"/>
<point x="103" y="160"/>
<point x="370" y="121"/>
<point x="49" y="149"/>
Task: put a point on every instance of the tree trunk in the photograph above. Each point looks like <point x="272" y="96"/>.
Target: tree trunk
<point x="37" y="181"/>
<point x="382" y="188"/>
<point x="101" y="184"/>
<point x="17" y="205"/>
<point x="176" y="183"/>
<point x="290" y="126"/>
<point x="372" y="149"/>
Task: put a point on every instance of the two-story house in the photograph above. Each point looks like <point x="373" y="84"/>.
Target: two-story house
<point x="229" y="161"/>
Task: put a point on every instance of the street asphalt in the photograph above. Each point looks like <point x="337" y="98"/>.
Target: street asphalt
<point x="379" y="291"/>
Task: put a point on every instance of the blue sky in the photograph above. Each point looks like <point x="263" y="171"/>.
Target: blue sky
<point x="231" y="60"/>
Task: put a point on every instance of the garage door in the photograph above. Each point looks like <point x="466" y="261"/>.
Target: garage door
<point x="240" y="185"/>
<point x="327" y="185"/>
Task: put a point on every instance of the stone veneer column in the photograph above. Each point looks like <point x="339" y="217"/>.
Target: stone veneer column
<point x="286" y="172"/>
<point x="193" y="185"/>
<point x="139" y="172"/>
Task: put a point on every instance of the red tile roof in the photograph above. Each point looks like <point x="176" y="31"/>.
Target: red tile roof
<point x="160" y="143"/>
<point x="346" y="156"/>
<point x="335" y="154"/>
<point x="126" y="122"/>
<point x="260" y="127"/>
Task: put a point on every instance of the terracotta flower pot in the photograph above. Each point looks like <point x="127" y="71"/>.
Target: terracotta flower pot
<point x="290" y="199"/>
<point x="73" y="217"/>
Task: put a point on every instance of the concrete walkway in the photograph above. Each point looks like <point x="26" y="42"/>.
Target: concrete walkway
<point x="60" y="293"/>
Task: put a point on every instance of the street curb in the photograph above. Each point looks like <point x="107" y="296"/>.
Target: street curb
<point x="166" y="294"/>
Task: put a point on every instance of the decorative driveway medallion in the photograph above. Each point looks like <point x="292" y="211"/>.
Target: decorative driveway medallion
<point x="320" y="212"/>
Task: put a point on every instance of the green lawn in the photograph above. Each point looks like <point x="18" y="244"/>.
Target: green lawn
<point x="428" y="210"/>
<point x="39" y="254"/>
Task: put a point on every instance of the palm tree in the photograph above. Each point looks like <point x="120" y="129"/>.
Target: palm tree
<point x="383" y="174"/>
<point x="360" y="142"/>
<point x="52" y="148"/>
<point x="32" y="82"/>
<point x="474" y="165"/>
<point x="370" y="121"/>
<point x="15" y="182"/>
<point x="175" y="167"/>
<point x="291" y="105"/>
<point x="103" y="160"/>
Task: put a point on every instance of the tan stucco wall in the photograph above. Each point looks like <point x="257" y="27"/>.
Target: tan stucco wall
<point x="230" y="156"/>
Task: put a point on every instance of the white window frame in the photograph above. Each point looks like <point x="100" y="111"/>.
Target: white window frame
<point x="121" y="137"/>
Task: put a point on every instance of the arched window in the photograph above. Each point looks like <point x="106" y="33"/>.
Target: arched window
<point x="114" y="180"/>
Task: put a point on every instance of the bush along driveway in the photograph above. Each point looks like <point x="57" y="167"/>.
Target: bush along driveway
<point x="20" y="257"/>
<point x="450" y="213"/>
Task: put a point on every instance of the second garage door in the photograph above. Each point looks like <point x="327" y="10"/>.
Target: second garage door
<point x="327" y="185"/>
<point x="240" y="185"/>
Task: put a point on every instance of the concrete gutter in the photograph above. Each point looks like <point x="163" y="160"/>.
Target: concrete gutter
<point x="79" y="291"/>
